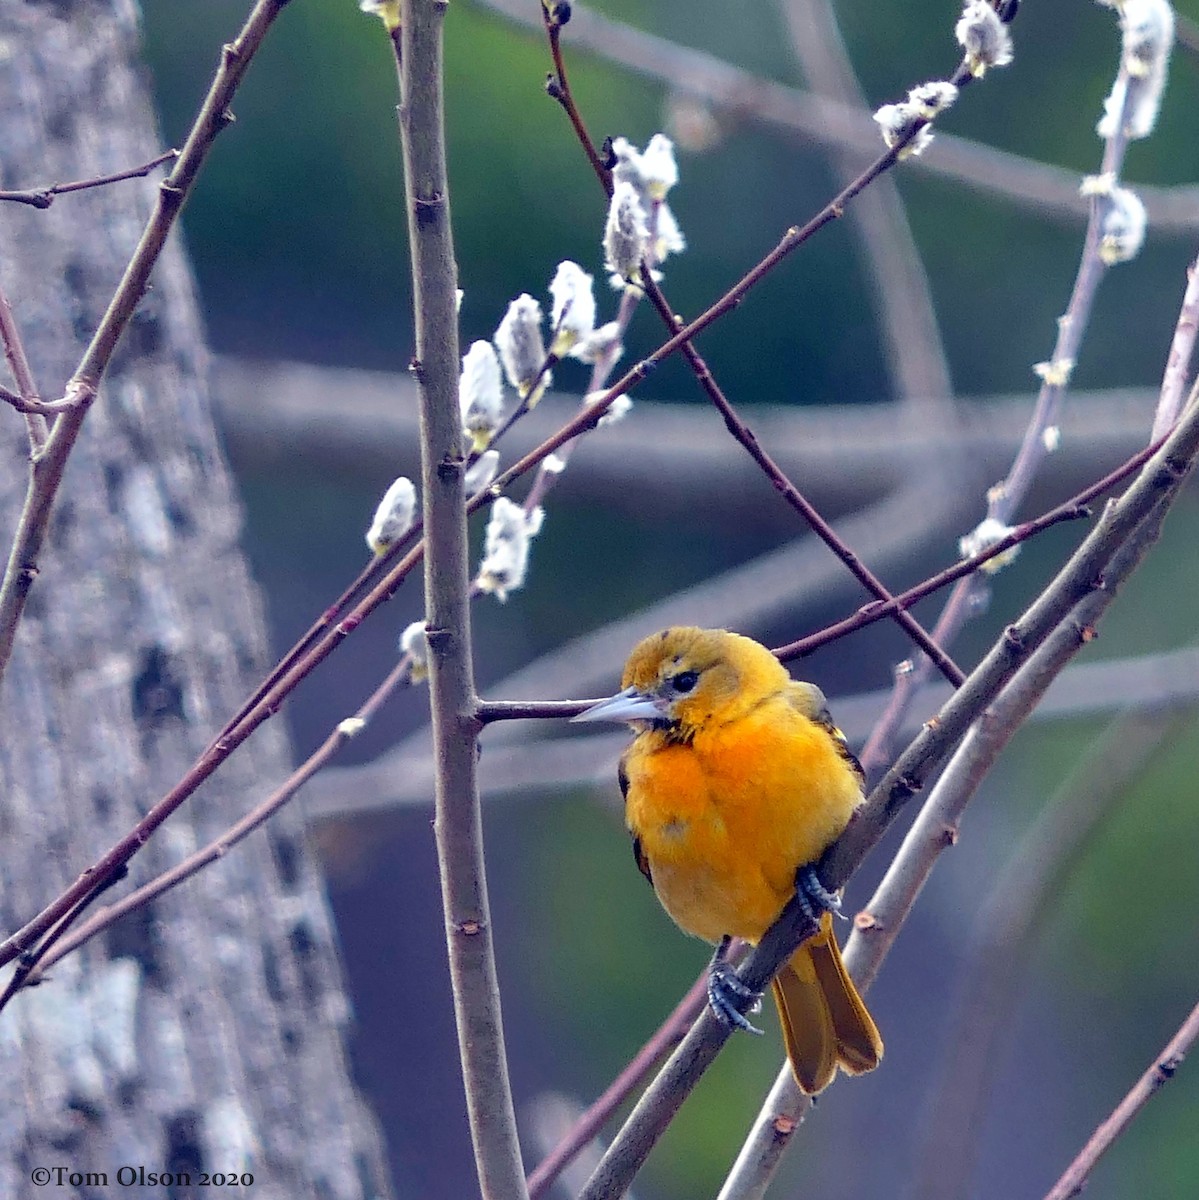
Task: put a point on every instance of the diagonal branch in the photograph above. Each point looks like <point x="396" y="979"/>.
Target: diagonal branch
<point x="733" y="422"/>
<point x="1160" y="1072"/>
<point x="1090" y="570"/>
<point x="1006" y="927"/>
<point x="50" y="463"/>
<point x="44" y="197"/>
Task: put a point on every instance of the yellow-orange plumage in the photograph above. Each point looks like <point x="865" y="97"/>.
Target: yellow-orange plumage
<point x="735" y="780"/>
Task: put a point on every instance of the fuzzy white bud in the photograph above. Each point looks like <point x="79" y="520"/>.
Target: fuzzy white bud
<point x="658" y="166"/>
<point x="1122" y="224"/>
<point x="1056" y="373"/>
<point x="924" y="102"/>
<point x="480" y="473"/>
<point x="668" y="237"/>
<point x="415" y="644"/>
<point x="984" y="36"/>
<point x="652" y="175"/>
<point x="572" y="316"/>
<point x="931" y="99"/>
<point x="522" y="351"/>
<point x="895" y="123"/>
<point x="626" y="235"/>
<point x="506" y="547"/>
<point x="1147" y="28"/>
<point x="602" y="345"/>
<point x="983" y="537"/>
<point x="388" y="11"/>
<point x="394" y="516"/>
<point x="616" y="411"/>
<point x="1051" y="438"/>
<point x="481" y="394"/>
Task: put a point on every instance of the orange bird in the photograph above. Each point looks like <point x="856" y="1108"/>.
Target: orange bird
<point x="736" y="783"/>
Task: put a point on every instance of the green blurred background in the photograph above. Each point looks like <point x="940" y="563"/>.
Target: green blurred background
<point x="296" y="233"/>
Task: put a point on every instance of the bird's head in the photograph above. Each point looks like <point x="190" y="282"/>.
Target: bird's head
<point x="686" y="678"/>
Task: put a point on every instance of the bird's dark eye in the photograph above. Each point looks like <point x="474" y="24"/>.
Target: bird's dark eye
<point x="684" y="681"/>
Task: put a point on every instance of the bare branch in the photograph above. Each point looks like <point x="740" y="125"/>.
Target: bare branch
<point x="219" y="847"/>
<point x="44" y="197"/>
<point x="1160" y="1072"/>
<point x="1178" y="362"/>
<point x="447" y="606"/>
<point x="1005" y="929"/>
<point x="1040" y="439"/>
<point x="80" y="392"/>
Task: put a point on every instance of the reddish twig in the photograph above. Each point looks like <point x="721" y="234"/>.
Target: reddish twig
<point x="733" y="422"/>
<point x="555" y="15"/>
<point x="44" y="197"/>
<point x="220" y="846"/>
<point x="1160" y="1072"/>
<point x="665" y="1038"/>
<point x="81" y="390"/>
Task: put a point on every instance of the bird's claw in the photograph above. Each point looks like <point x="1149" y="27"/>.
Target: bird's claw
<point x="814" y="898"/>
<point x="730" y="999"/>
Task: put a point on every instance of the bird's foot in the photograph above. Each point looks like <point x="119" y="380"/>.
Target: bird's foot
<point x="728" y="997"/>
<point x="814" y="898"/>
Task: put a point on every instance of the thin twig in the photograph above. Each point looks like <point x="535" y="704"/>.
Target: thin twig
<point x="1178" y="361"/>
<point x="1038" y="443"/>
<point x="27" y="399"/>
<point x="458" y="824"/>
<point x="1042" y="188"/>
<point x="220" y="846"/>
<point x="47" y="469"/>
<point x="745" y="436"/>
<point x="558" y="88"/>
<point x="1160" y="1072"/>
<point x="1005" y="929"/>
<point x="590" y="1122"/>
<point x="740" y="430"/>
<point x="312" y="636"/>
<point x="44" y="197"/>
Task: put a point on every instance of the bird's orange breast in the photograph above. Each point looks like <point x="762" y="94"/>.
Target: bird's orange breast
<point x="726" y="818"/>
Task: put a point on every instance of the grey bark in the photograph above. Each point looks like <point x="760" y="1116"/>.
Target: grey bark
<point x="206" y="1033"/>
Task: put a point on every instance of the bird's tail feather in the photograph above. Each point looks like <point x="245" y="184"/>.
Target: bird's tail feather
<point x="825" y="1022"/>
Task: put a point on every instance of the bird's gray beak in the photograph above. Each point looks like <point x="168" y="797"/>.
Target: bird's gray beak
<point x="629" y="705"/>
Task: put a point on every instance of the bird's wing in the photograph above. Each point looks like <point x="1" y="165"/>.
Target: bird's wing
<point x="808" y="700"/>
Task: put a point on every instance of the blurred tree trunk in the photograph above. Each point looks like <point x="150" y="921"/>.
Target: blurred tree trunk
<point x="205" y="1033"/>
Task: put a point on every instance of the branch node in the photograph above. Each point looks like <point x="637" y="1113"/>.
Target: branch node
<point x="449" y="467"/>
<point x="783" y="1126"/>
<point x="439" y="639"/>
